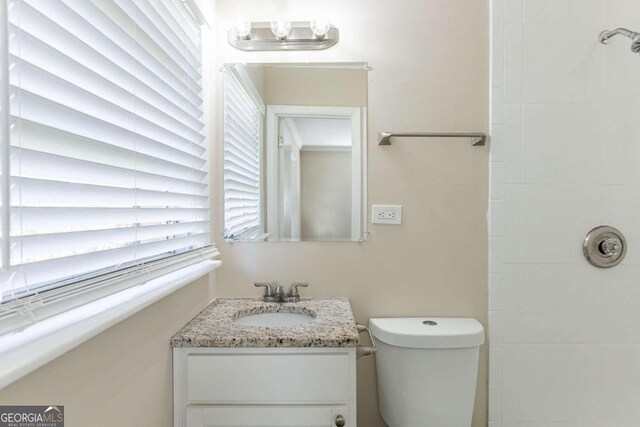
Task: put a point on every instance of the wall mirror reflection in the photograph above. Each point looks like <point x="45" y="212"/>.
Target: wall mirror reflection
<point x="294" y="152"/>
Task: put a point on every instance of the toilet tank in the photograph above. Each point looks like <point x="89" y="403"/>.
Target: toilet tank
<point x="427" y="370"/>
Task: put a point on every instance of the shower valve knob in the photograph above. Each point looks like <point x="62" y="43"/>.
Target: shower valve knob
<point x="604" y="247"/>
<point x="610" y="247"/>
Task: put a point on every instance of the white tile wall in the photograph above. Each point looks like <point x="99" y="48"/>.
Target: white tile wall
<point x="557" y="383"/>
<point x="561" y="144"/>
<point x="561" y="63"/>
<point x="565" y="157"/>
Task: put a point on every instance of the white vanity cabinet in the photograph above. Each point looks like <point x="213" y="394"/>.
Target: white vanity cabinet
<point x="260" y="387"/>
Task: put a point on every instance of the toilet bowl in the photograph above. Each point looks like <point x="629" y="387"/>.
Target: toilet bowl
<point x="427" y="370"/>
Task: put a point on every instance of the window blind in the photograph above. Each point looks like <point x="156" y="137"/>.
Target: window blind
<point x="105" y="144"/>
<point x="242" y="170"/>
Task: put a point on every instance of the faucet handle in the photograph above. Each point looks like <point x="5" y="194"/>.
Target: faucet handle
<point x="294" y="289"/>
<point x="268" y="290"/>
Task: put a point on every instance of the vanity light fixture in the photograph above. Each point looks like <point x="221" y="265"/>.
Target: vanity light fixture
<point x="283" y="35"/>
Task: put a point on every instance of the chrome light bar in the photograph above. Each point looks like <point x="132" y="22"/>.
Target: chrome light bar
<point x="261" y="37"/>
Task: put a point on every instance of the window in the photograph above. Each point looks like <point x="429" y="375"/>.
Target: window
<point x="244" y="118"/>
<point x="106" y="151"/>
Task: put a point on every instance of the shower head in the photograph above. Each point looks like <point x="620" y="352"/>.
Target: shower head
<point x="606" y="35"/>
<point x="635" y="44"/>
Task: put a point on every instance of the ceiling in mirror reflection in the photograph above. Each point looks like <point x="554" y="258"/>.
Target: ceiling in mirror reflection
<point x="323" y="132"/>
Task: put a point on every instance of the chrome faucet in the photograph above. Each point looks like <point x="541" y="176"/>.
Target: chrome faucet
<point x="279" y="294"/>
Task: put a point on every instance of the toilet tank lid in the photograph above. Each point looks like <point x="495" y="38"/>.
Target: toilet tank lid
<point x="428" y="332"/>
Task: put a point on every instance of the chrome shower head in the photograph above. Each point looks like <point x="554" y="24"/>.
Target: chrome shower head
<point x="635" y="37"/>
<point x="635" y="44"/>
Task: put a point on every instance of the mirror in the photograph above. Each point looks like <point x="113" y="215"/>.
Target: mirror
<point x="294" y="152"/>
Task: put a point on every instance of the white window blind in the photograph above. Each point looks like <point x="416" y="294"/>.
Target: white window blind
<point x="106" y="147"/>
<point x="243" y="122"/>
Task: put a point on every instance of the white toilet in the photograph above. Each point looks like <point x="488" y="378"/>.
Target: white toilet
<point x="427" y="370"/>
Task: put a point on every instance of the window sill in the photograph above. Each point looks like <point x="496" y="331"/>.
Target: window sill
<point x="24" y="351"/>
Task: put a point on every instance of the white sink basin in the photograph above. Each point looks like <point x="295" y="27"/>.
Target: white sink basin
<point x="274" y="320"/>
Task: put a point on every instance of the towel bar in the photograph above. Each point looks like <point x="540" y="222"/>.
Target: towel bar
<point x="477" y="139"/>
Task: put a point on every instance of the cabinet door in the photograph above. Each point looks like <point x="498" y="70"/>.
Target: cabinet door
<point x="220" y="379"/>
<point x="267" y="416"/>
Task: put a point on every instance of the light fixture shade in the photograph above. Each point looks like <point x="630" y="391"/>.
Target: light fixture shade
<point x="320" y="28"/>
<point x="281" y="28"/>
<point x="242" y="29"/>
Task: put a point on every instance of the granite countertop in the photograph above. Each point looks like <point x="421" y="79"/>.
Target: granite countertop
<point x="333" y="325"/>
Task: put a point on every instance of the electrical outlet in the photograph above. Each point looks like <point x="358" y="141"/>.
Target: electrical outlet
<point x="386" y="214"/>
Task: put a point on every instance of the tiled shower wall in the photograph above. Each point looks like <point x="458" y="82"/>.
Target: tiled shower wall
<point x="565" y="157"/>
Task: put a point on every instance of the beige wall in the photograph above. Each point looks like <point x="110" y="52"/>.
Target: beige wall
<point x="325" y="195"/>
<point x="256" y="74"/>
<point x="315" y="86"/>
<point x="123" y="376"/>
<point x="286" y="85"/>
<point x="429" y="62"/>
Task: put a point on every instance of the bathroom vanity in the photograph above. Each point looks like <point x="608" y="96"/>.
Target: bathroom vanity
<point x="245" y="362"/>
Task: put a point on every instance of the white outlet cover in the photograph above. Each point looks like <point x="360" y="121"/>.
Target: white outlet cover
<point x="386" y="214"/>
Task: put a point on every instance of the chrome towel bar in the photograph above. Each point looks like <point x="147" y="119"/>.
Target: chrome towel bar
<point x="477" y="139"/>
